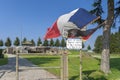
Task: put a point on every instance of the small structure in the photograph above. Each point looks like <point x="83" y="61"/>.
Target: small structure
<point x="27" y="43"/>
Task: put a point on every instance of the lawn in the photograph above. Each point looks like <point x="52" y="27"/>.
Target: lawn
<point x="4" y="60"/>
<point x="90" y="66"/>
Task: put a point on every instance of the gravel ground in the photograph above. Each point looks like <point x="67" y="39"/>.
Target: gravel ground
<point x="8" y="72"/>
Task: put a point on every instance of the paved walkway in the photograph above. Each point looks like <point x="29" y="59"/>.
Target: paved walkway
<point x="8" y="72"/>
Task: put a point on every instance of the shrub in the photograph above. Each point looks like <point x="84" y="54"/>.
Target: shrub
<point x="97" y="75"/>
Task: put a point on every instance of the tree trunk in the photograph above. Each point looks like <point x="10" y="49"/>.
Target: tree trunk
<point x="105" y="62"/>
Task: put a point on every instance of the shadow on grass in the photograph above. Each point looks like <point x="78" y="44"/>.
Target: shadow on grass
<point x="74" y="77"/>
<point x="93" y="75"/>
<point x="114" y="63"/>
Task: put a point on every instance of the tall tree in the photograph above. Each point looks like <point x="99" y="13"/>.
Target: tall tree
<point x="63" y="43"/>
<point x="83" y="46"/>
<point x="33" y="42"/>
<point x="57" y="43"/>
<point x="1" y="43"/>
<point x="45" y="43"/>
<point x="8" y="42"/>
<point x="98" y="45"/>
<point x="17" y="41"/>
<point x="89" y="48"/>
<point x="39" y="42"/>
<point x="105" y="63"/>
<point x="51" y="42"/>
<point x="24" y="40"/>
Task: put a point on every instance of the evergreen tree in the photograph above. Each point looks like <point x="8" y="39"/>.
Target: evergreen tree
<point x="39" y="42"/>
<point x="88" y="48"/>
<point x="57" y="43"/>
<point x="33" y="42"/>
<point x="98" y="45"/>
<point x="1" y="43"/>
<point x="17" y="42"/>
<point x="45" y="43"/>
<point x="83" y="45"/>
<point x="8" y="42"/>
<point x="51" y="42"/>
<point x="24" y="40"/>
<point x="63" y="43"/>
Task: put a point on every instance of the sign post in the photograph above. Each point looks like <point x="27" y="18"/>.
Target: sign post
<point x="76" y="44"/>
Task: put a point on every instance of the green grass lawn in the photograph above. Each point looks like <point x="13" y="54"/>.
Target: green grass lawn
<point x="90" y="66"/>
<point x="4" y="60"/>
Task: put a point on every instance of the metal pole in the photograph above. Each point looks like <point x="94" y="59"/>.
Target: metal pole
<point x="80" y="65"/>
<point x="17" y="66"/>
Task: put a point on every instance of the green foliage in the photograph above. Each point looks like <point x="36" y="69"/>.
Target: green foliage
<point x="83" y="45"/>
<point x="98" y="10"/>
<point x="1" y="43"/>
<point x="1" y="55"/>
<point x="33" y="42"/>
<point x="114" y="43"/>
<point x="8" y="42"/>
<point x="17" y="41"/>
<point x="51" y="42"/>
<point x="39" y="42"/>
<point x="63" y="42"/>
<point x="97" y="75"/>
<point x="57" y="43"/>
<point x="4" y="60"/>
<point x="98" y="45"/>
<point x="45" y="43"/>
<point x="89" y="48"/>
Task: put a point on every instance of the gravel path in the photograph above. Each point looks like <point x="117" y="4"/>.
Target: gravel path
<point x="8" y="72"/>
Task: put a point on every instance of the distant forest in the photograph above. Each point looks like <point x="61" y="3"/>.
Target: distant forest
<point x="114" y="43"/>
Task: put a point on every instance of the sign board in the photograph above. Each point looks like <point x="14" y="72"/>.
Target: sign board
<point x="74" y="44"/>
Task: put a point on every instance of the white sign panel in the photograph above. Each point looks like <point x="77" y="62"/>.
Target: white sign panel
<point x="74" y="44"/>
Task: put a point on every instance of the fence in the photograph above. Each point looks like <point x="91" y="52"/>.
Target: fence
<point x="43" y="74"/>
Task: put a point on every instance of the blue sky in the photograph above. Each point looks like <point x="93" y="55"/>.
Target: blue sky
<point x="31" y="18"/>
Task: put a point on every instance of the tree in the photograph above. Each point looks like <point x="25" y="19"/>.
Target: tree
<point x="17" y="42"/>
<point x="57" y="43"/>
<point x="8" y="42"/>
<point x="88" y="48"/>
<point x="114" y="43"/>
<point x="83" y="45"/>
<point x="45" y="43"/>
<point x="33" y="42"/>
<point x="63" y="43"/>
<point x="24" y="40"/>
<point x="1" y="43"/>
<point x="51" y="42"/>
<point x="98" y="45"/>
<point x="105" y="63"/>
<point x="39" y="42"/>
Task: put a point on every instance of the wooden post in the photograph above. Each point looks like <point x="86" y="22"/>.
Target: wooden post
<point x="80" y="65"/>
<point x="62" y="67"/>
<point x="17" y="66"/>
<point x="64" y="70"/>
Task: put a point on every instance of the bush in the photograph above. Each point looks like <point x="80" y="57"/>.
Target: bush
<point x="97" y="75"/>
